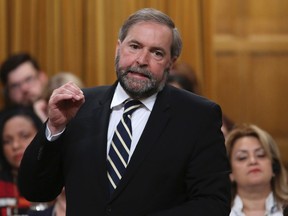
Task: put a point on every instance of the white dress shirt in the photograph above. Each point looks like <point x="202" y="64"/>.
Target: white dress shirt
<point x="139" y="117"/>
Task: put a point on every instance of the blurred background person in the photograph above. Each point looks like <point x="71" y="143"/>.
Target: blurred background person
<point x="54" y="82"/>
<point x="23" y="82"/>
<point x="22" y="79"/>
<point x="183" y="71"/>
<point x="184" y="75"/>
<point x="18" y="127"/>
<point x="227" y="125"/>
<point x="180" y="81"/>
<point x="259" y="179"/>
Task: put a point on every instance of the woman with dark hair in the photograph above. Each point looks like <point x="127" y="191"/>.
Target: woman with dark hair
<point x="18" y="126"/>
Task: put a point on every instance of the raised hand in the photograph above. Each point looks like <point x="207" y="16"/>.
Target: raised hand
<point x="63" y="105"/>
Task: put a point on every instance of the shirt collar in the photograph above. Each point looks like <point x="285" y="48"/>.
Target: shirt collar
<point x="270" y="204"/>
<point x="238" y="205"/>
<point x="120" y="96"/>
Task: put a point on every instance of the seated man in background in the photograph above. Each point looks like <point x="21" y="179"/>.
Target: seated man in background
<point x="22" y="79"/>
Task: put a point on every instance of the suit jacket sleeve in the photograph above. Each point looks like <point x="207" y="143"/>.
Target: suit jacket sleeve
<point x="40" y="177"/>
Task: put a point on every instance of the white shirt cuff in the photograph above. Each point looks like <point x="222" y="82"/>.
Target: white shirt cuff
<point x="51" y="137"/>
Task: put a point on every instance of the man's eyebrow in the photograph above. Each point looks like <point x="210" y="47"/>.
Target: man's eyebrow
<point x="159" y="48"/>
<point x="151" y="48"/>
<point x="134" y="41"/>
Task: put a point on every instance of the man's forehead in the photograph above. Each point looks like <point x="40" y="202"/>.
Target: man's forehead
<point x="149" y="25"/>
<point x="151" y="30"/>
<point x="25" y="67"/>
<point x="23" y="70"/>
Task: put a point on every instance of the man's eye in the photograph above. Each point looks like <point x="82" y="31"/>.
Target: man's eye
<point x="14" y="86"/>
<point x="160" y="54"/>
<point x="134" y="46"/>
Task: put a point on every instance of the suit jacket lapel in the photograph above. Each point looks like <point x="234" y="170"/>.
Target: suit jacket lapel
<point x="101" y="115"/>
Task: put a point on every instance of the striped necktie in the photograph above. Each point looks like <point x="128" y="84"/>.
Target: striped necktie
<point x="120" y="147"/>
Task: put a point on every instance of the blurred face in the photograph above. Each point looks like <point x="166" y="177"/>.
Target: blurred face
<point x="18" y="132"/>
<point x="25" y="84"/>
<point x="250" y="164"/>
<point x="143" y="59"/>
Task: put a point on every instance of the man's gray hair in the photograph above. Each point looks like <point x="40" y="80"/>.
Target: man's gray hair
<point x="153" y="15"/>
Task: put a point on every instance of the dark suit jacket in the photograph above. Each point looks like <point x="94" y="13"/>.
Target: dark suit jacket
<point x="178" y="168"/>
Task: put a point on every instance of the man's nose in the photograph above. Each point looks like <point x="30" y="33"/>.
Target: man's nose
<point x="143" y="58"/>
<point x="25" y="86"/>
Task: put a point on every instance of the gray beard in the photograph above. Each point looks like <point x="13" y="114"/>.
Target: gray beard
<point x="139" y="89"/>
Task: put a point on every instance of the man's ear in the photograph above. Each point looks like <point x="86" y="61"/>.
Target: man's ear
<point x="172" y="62"/>
<point x="117" y="47"/>
<point x="43" y="77"/>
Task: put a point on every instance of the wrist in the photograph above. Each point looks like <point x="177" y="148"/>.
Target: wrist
<point x="54" y="129"/>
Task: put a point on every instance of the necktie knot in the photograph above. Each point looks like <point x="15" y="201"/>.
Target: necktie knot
<point x="130" y="106"/>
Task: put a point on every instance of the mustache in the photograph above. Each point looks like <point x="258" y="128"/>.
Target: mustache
<point x="142" y="71"/>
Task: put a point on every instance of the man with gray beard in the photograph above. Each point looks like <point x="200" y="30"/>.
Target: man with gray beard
<point x="138" y="147"/>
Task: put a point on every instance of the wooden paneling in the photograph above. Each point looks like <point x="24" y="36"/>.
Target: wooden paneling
<point x="249" y="73"/>
<point x="3" y="38"/>
<point x="80" y="36"/>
